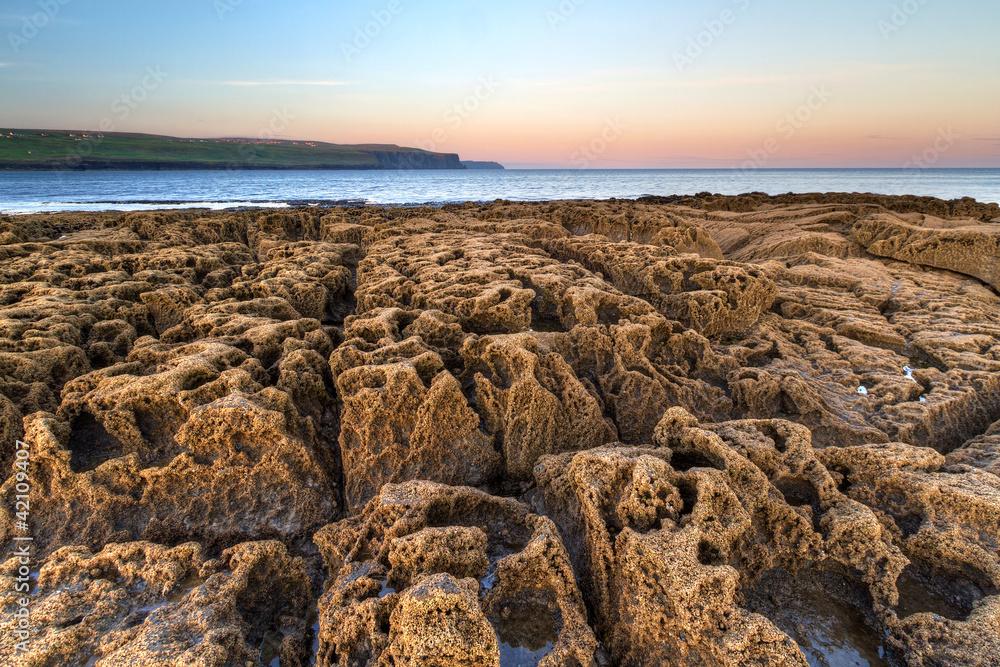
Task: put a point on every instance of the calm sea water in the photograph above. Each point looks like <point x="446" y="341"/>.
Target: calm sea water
<point x="31" y="192"/>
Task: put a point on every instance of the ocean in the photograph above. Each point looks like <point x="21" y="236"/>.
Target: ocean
<point x="34" y="192"/>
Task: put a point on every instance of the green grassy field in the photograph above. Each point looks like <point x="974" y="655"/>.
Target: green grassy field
<point x="35" y="149"/>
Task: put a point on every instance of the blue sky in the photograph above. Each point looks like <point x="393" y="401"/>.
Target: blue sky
<point x="579" y="82"/>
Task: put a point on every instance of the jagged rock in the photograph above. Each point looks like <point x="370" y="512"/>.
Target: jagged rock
<point x="531" y="403"/>
<point x="862" y="352"/>
<point x="245" y="375"/>
<point x="168" y="305"/>
<point x="638" y="371"/>
<point x="234" y="470"/>
<point x="712" y="297"/>
<point x="452" y="273"/>
<point x="11" y="431"/>
<point x="141" y="603"/>
<point x="438" y="622"/>
<point x="496" y="284"/>
<point x="673" y="541"/>
<point x="972" y="249"/>
<point x="335" y="229"/>
<point x="404" y="417"/>
<point x="947" y="607"/>
<point x="435" y="575"/>
<point x="982" y="453"/>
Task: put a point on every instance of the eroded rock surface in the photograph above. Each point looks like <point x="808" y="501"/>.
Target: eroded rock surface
<point x="141" y="603"/>
<point x="682" y="431"/>
<point x="436" y="575"/>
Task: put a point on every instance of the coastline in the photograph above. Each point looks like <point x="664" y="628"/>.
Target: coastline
<point x="962" y="207"/>
<point x="62" y="150"/>
<point x="28" y="192"/>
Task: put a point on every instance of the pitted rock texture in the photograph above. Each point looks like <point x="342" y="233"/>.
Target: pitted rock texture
<point x="671" y="537"/>
<point x="710" y="296"/>
<point x="436" y="575"/>
<point x="141" y="603"/>
<point x="981" y="453"/>
<point x="683" y="431"/>
<point x="970" y="249"/>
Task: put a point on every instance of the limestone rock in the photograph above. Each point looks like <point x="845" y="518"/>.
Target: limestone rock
<point x="702" y="430"/>
<point x="713" y="297"/>
<point x="141" y="603"/>
<point x="405" y="417"/>
<point x="982" y="453"/>
<point x="672" y="541"/>
<point x="973" y="250"/>
<point x="435" y="575"/>
<point x="237" y="473"/>
<point x="948" y="526"/>
<point x="531" y="403"/>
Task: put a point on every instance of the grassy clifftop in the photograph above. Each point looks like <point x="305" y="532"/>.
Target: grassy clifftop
<point x="64" y="149"/>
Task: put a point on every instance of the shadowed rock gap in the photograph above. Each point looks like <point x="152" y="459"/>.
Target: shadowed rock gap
<point x="91" y="444"/>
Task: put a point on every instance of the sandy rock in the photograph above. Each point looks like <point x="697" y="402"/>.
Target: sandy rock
<point x="405" y="417"/>
<point x="947" y="525"/>
<point x="803" y="386"/>
<point x="449" y="273"/>
<point x="862" y="352"/>
<point x="436" y="575"/>
<point x="639" y="371"/>
<point x="168" y="305"/>
<point x="455" y="549"/>
<point x="438" y="622"/>
<point x="973" y="250"/>
<point x="982" y="453"/>
<point x="335" y="230"/>
<point x="713" y="297"/>
<point x="531" y="403"/>
<point x="11" y="430"/>
<point x="238" y="472"/>
<point x="671" y="542"/>
<point x="141" y="603"/>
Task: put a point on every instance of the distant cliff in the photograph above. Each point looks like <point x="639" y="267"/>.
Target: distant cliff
<point x="474" y="164"/>
<point x="50" y="150"/>
<point x="418" y="160"/>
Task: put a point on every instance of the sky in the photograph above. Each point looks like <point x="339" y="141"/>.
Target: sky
<point x="545" y="83"/>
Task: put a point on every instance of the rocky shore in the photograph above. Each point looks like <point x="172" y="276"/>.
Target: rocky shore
<point x="703" y="430"/>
